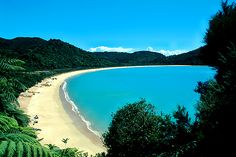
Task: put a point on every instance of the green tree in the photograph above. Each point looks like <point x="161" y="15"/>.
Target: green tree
<point x="137" y="130"/>
<point x="220" y="34"/>
<point x="216" y="108"/>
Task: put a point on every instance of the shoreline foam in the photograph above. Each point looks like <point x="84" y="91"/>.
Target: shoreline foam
<point x="57" y="120"/>
<point x="76" y="110"/>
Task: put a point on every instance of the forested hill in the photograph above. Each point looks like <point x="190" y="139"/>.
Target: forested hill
<point x="136" y="58"/>
<point x="150" y="58"/>
<point x="40" y="54"/>
<point x="189" y="58"/>
<point x="52" y="54"/>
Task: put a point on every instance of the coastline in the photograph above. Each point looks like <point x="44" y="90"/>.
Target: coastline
<point x="57" y="120"/>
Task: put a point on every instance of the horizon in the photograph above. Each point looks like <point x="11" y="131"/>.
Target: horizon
<point x="167" y="27"/>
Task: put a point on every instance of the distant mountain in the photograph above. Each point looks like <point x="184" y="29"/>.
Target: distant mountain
<point x="136" y="58"/>
<point x="40" y="54"/>
<point x="189" y="58"/>
<point x="151" y="58"/>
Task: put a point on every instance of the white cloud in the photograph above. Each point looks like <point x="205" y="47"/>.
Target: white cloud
<point x="111" y="49"/>
<point x="150" y="49"/>
<point x="171" y="52"/>
<point x="166" y="52"/>
<point x="130" y="50"/>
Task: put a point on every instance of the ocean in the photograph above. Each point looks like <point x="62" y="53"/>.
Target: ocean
<point x="97" y="95"/>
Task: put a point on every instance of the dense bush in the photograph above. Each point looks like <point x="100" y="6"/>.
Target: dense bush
<point x="137" y="130"/>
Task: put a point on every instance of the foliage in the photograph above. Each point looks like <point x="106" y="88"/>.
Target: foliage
<point x="22" y="149"/>
<point x="220" y="34"/>
<point x="149" y="58"/>
<point x="216" y="108"/>
<point x="22" y="142"/>
<point x="137" y="130"/>
<point x="188" y="58"/>
<point x="40" y="54"/>
<point x="65" y="140"/>
<point x="9" y="86"/>
<point x="19" y="141"/>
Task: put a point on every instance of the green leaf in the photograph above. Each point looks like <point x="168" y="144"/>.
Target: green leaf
<point x="11" y="149"/>
<point x="19" y="149"/>
<point x="3" y="147"/>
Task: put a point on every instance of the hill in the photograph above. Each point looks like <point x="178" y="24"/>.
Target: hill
<point x="136" y="58"/>
<point x="40" y="54"/>
<point x="189" y="58"/>
<point x="151" y="58"/>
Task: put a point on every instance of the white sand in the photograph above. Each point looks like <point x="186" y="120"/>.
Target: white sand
<point x="54" y="121"/>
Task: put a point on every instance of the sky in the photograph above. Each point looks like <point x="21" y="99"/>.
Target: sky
<point x="167" y="26"/>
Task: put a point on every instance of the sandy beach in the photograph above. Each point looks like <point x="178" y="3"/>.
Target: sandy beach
<point x="56" y="118"/>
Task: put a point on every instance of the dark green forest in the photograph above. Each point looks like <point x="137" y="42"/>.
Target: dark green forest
<point x="136" y="130"/>
<point x="39" y="54"/>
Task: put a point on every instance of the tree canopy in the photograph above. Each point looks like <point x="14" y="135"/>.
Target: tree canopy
<point x="137" y="130"/>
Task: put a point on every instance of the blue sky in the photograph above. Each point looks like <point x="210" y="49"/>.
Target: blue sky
<point x="167" y="25"/>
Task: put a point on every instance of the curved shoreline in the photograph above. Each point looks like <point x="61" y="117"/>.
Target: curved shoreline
<point x="57" y="120"/>
<point x="56" y="117"/>
<point x="73" y="111"/>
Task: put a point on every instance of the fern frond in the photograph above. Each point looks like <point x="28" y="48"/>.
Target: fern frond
<point x="19" y="149"/>
<point x="7" y="123"/>
<point x="28" y="131"/>
<point x="10" y="97"/>
<point x="3" y="79"/>
<point x="15" y="62"/>
<point x="11" y="65"/>
<point x="20" y="116"/>
<point x="40" y="151"/>
<point x="34" y="152"/>
<point x="3" y="147"/>
<point x="3" y="126"/>
<point x="27" y="150"/>
<point x="11" y="149"/>
<point x="17" y="84"/>
<point x="18" y="137"/>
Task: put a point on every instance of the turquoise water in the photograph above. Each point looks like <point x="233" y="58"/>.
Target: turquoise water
<point x="99" y="94"/>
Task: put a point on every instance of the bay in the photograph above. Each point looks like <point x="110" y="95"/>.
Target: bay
<point x="99" y="94"/>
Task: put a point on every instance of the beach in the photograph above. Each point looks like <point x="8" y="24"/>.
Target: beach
<point x="56" y="119"/>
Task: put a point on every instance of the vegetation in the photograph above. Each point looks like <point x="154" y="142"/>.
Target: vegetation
<point x="9" y="86"/>
<point x="189" y="58"/>
<point x="39" y="54"/>
<point x="216" y="108"/>
<point x="136" y="129"/>
<point x="149" y="58"/>
<point x="16" y="138"/>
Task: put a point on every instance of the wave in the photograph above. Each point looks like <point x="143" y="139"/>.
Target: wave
<point x="76" y="110"/>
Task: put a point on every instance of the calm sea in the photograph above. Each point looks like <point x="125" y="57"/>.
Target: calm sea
<point x="99" y="94"/>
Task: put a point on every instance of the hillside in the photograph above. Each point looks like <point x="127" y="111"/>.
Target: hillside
<point x="151" y="58"/>
<point x="40" y="54"/>
<point x="189" y="58"/>
<point x="136" y="58"/>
